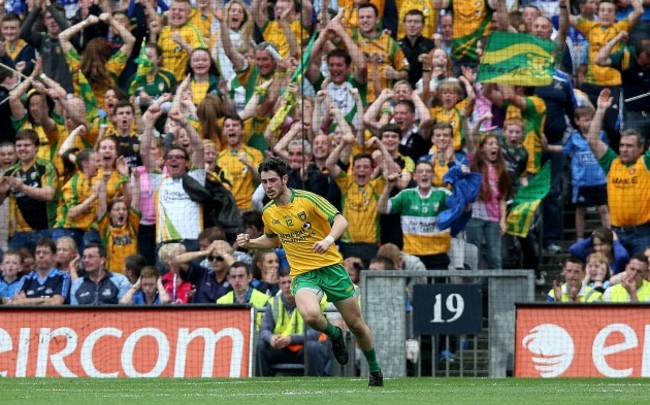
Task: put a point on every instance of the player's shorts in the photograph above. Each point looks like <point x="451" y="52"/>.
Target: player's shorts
<point x="590" y="196"/>
<point x="332" y="280"/>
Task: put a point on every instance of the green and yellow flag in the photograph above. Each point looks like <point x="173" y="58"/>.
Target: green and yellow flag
<point x="281" y="114"/>
<point x="517" y="59"/>
<point x="145" y="66"/>
<point x="87" y="95"/>
<point x="527" y="201"/>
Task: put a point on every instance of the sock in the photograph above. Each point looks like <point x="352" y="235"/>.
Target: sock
<point x="332" y="331"/>
<point x="371" y="357"/>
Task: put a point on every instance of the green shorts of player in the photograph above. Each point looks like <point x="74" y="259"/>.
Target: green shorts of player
<point x="333" y="281"/>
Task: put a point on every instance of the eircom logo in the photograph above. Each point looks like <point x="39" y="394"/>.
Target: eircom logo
<point x="552" y="349"/>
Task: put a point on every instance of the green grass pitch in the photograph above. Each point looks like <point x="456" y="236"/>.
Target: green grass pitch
<point x="288" y="391"/>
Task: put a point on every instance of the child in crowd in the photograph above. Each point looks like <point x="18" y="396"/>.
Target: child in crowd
<point x="442" y="155"/>
<point x="514" y="153"/>
<point x="488" y="222"/>
<point x="453" y="107"/>
<point x="598" y="273"/>
<point x="587" y="177"/>
<point x="118" y="223"/>
<point x="148" y="290"/>
<point x="573" y="289"/>
<point x="11" y="281"/>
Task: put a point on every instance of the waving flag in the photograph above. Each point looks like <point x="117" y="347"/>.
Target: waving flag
<point x="280" y="116"/>
<point x="517" y="59"/>
<point x="145" y="66"/>
<point x="87" y="95"/>
<point x="526" y="202"/>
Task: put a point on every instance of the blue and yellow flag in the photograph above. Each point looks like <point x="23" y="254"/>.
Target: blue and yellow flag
<point x="527" y="201"/>
<point x="517" y="59"/>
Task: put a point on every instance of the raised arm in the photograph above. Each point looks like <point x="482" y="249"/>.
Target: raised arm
<point x="605" y="101"/>
<point x="441" y="4"/>
<point x="59" y="94"/>
<point x="102" y="197"/>
<point x="560" y="39"/>
<point x="371" y="118"/>
<point x="149" y="118"/>
<point x="473" y="131"/>
<point x="358" y="58"/>
<point x="252" y="104"/>
<point x="16" y="105"/>
<point x="122" y="31"/>
<point x="260" y="14"/>
<point x="426" y="123"/>
<point x="637" y="12"/>
<point x="65" y="37"/>
<point x="499" y="6"/>
<point x="27" y="32"/>
<point x="135" y="189"/>
<point x="345" y="145"/>
<point x="197" y="143"/>
<point x="358" y="118"/>
<point x="509" y="94"/>
<point x="566" y="16"/>
<point x="42" y="115"/>
<point x="382" y="203"/>
<point x="495" y="95"/>
<point x="313" y="72"/>
<point x="57" y="16"/>
<point x="280" y="148"/>
<point x="238" y="60"/>
<point x="603" y="57"/>
<point x="285" y="25"/>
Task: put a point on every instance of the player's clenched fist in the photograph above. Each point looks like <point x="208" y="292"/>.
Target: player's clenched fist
<point x="243" y="239"/>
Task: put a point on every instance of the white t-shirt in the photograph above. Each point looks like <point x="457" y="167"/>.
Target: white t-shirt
<point x="177" y="216"/>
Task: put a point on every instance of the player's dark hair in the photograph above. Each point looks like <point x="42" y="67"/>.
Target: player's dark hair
<point x="273" y="164"/>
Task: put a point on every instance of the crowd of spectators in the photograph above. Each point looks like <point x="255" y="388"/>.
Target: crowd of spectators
<point x="131" y="133"/>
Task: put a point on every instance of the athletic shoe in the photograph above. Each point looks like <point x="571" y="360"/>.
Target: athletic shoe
<point x="339" y="349"/>
<point x="376" y="379"/>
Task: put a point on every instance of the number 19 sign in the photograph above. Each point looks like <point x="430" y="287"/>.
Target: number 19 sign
<point x="447" y="309"/>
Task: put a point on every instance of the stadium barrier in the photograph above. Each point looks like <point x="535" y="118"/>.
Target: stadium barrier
<point x="383" y="304"/>
<point x="582" y="340"/>
<point x="121" y="341"/>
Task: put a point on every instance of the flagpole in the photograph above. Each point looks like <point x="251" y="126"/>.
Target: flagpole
<point x="627" y="100"/>
<point x="2" y="65"/>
